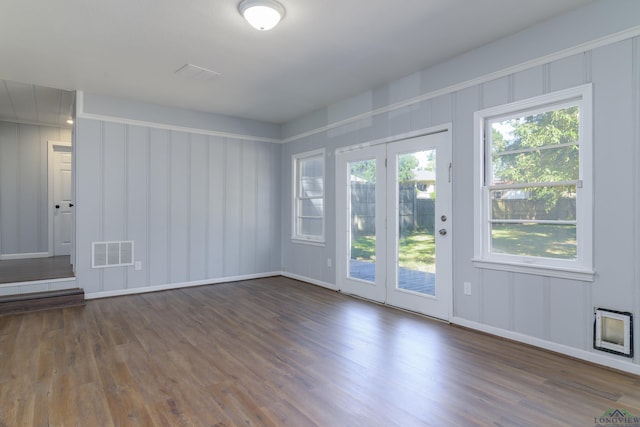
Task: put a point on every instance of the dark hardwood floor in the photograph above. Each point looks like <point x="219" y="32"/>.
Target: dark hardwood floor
<point x="277" y="352"/>
<point x="26" y="270"/>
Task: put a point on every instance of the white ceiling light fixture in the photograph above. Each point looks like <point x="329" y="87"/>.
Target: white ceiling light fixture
<point x="263" y="15"/>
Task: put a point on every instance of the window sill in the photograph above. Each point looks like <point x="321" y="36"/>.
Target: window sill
<point x="308" y="242"/>
<point x="558" y="272"/>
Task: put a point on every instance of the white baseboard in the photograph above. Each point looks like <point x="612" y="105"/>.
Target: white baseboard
<point x="168" y="286"/>
<point x="7" y="257"/>
<point x="611" y="361"/>
<point x="309" y="280"/>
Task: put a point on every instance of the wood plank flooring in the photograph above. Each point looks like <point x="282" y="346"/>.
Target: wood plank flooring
<point x="277" y="352"/>
<point x="25" y="270"/>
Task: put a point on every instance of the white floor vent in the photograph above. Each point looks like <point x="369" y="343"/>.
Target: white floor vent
<point x="111" y="254"/>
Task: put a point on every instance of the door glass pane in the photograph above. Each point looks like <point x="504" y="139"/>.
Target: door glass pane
<point x="362" y="213"/>
<point x="416" y="257"/>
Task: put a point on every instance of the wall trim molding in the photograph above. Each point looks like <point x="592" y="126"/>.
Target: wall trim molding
<point x="609" y="361"/>
<point x="169" y="286"/>
<point x="71" y="282"/>
<point x="7" y="257"/>
<point x="143" y="123"/>
<point x="545" y="59"/>
<point x="309" y="280"/>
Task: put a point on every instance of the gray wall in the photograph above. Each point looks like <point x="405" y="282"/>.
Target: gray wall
<point x="24" y="216"/>
<point x="198" y="207"/>
<point x="544" y="309"/>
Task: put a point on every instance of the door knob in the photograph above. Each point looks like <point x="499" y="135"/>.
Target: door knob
<point x="443" y="218"/>
<point x="57" y="206"/>
<point x="442" y="232"/>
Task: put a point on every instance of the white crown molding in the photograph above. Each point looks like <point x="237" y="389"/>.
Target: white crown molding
<point x="561" y="54"/>
<point x="80" y="113"/>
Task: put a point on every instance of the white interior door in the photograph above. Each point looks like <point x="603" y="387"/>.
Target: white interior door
<point x="394" y="224"/>
<point x="62" y="200"/>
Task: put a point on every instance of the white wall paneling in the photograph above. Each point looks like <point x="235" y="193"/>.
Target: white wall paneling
<point x="198" y="207"/>
<point x="551" y="312"/>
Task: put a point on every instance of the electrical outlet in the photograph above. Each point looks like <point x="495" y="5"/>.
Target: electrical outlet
<point x="138" y="265"/>
<point x="467" y="288"/>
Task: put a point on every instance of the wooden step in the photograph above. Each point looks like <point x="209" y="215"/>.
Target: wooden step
<point x="24" y="303"/>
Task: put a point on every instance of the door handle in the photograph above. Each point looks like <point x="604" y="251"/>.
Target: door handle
<point x="70" y="205"/>
<point x="57" y="206"/>
<point x="442" y="232"/>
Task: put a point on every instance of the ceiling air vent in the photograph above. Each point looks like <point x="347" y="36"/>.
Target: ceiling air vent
<point x="197" y="73"/>
<point x="111" y="254"/>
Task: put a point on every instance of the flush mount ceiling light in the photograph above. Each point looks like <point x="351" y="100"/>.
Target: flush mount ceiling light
<point x="263" y="15"/>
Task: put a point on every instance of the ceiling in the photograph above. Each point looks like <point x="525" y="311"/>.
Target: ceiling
<point x="322" y="51"/>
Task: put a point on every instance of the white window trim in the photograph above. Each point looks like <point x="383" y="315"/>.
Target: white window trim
<point x="295" y="237"/>
<point x="582" y="267"/>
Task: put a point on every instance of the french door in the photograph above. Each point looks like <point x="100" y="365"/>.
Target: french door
<point x="394" y="223"/>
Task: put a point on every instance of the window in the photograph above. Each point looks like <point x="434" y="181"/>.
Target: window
<point x="534" y="187"/>
<point x="308" y="203"/>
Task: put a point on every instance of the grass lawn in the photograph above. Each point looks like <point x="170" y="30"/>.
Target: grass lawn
<point x="417" y="251"/>
<point x="541" y="240"/>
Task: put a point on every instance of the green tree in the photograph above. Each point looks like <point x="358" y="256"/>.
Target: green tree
<point x="407" y="167"/>
<point x="538" y="148"/>
<point x="366" y="169"/>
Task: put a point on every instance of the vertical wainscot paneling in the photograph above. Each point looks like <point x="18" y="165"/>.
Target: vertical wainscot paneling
<point x="529" y="310"/>
<point x="137" y="201"/>
<point x="497" y="299"/>
<point x="614" y="169"/>
<point x="232" y="207"/>
<point x="9" y="153"/>
<point x="567" y="324"/>
<point x="158" y="231"/>
<point x="89" y="190"/>
<point x="528" y="83"/>
<point x="29" y="166"/>
<point x="567" y="72"/>
<point x="216" y="210"/>
<point x="179" y="203"/>
<point x="249" y="215"/>
<point x="196" y="207"/>
<point x="113" y="202"/>
<point x="199" y="202"/>
<point x="466" y="306"/>
<point x="264" y="208"/>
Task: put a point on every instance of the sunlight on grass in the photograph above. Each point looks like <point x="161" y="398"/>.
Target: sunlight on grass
<point x="417" y="251"/>
<point x="540" y="240"/>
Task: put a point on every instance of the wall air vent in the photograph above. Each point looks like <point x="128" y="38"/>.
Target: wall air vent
<point x="111" y="254"/>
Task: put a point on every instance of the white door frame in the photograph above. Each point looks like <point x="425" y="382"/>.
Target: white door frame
<point x="50" y="190"/>
<point x="341" y="227"/>
<point x="440" y="304"/>
<point x="376" y="290"/>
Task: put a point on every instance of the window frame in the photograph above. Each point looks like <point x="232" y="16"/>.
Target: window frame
<point x="580" y="268"/>
<point x="296" y="160"/>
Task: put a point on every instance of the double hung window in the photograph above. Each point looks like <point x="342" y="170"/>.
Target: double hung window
<point x="534" y="192"/>
<point x="308" y="203"/>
